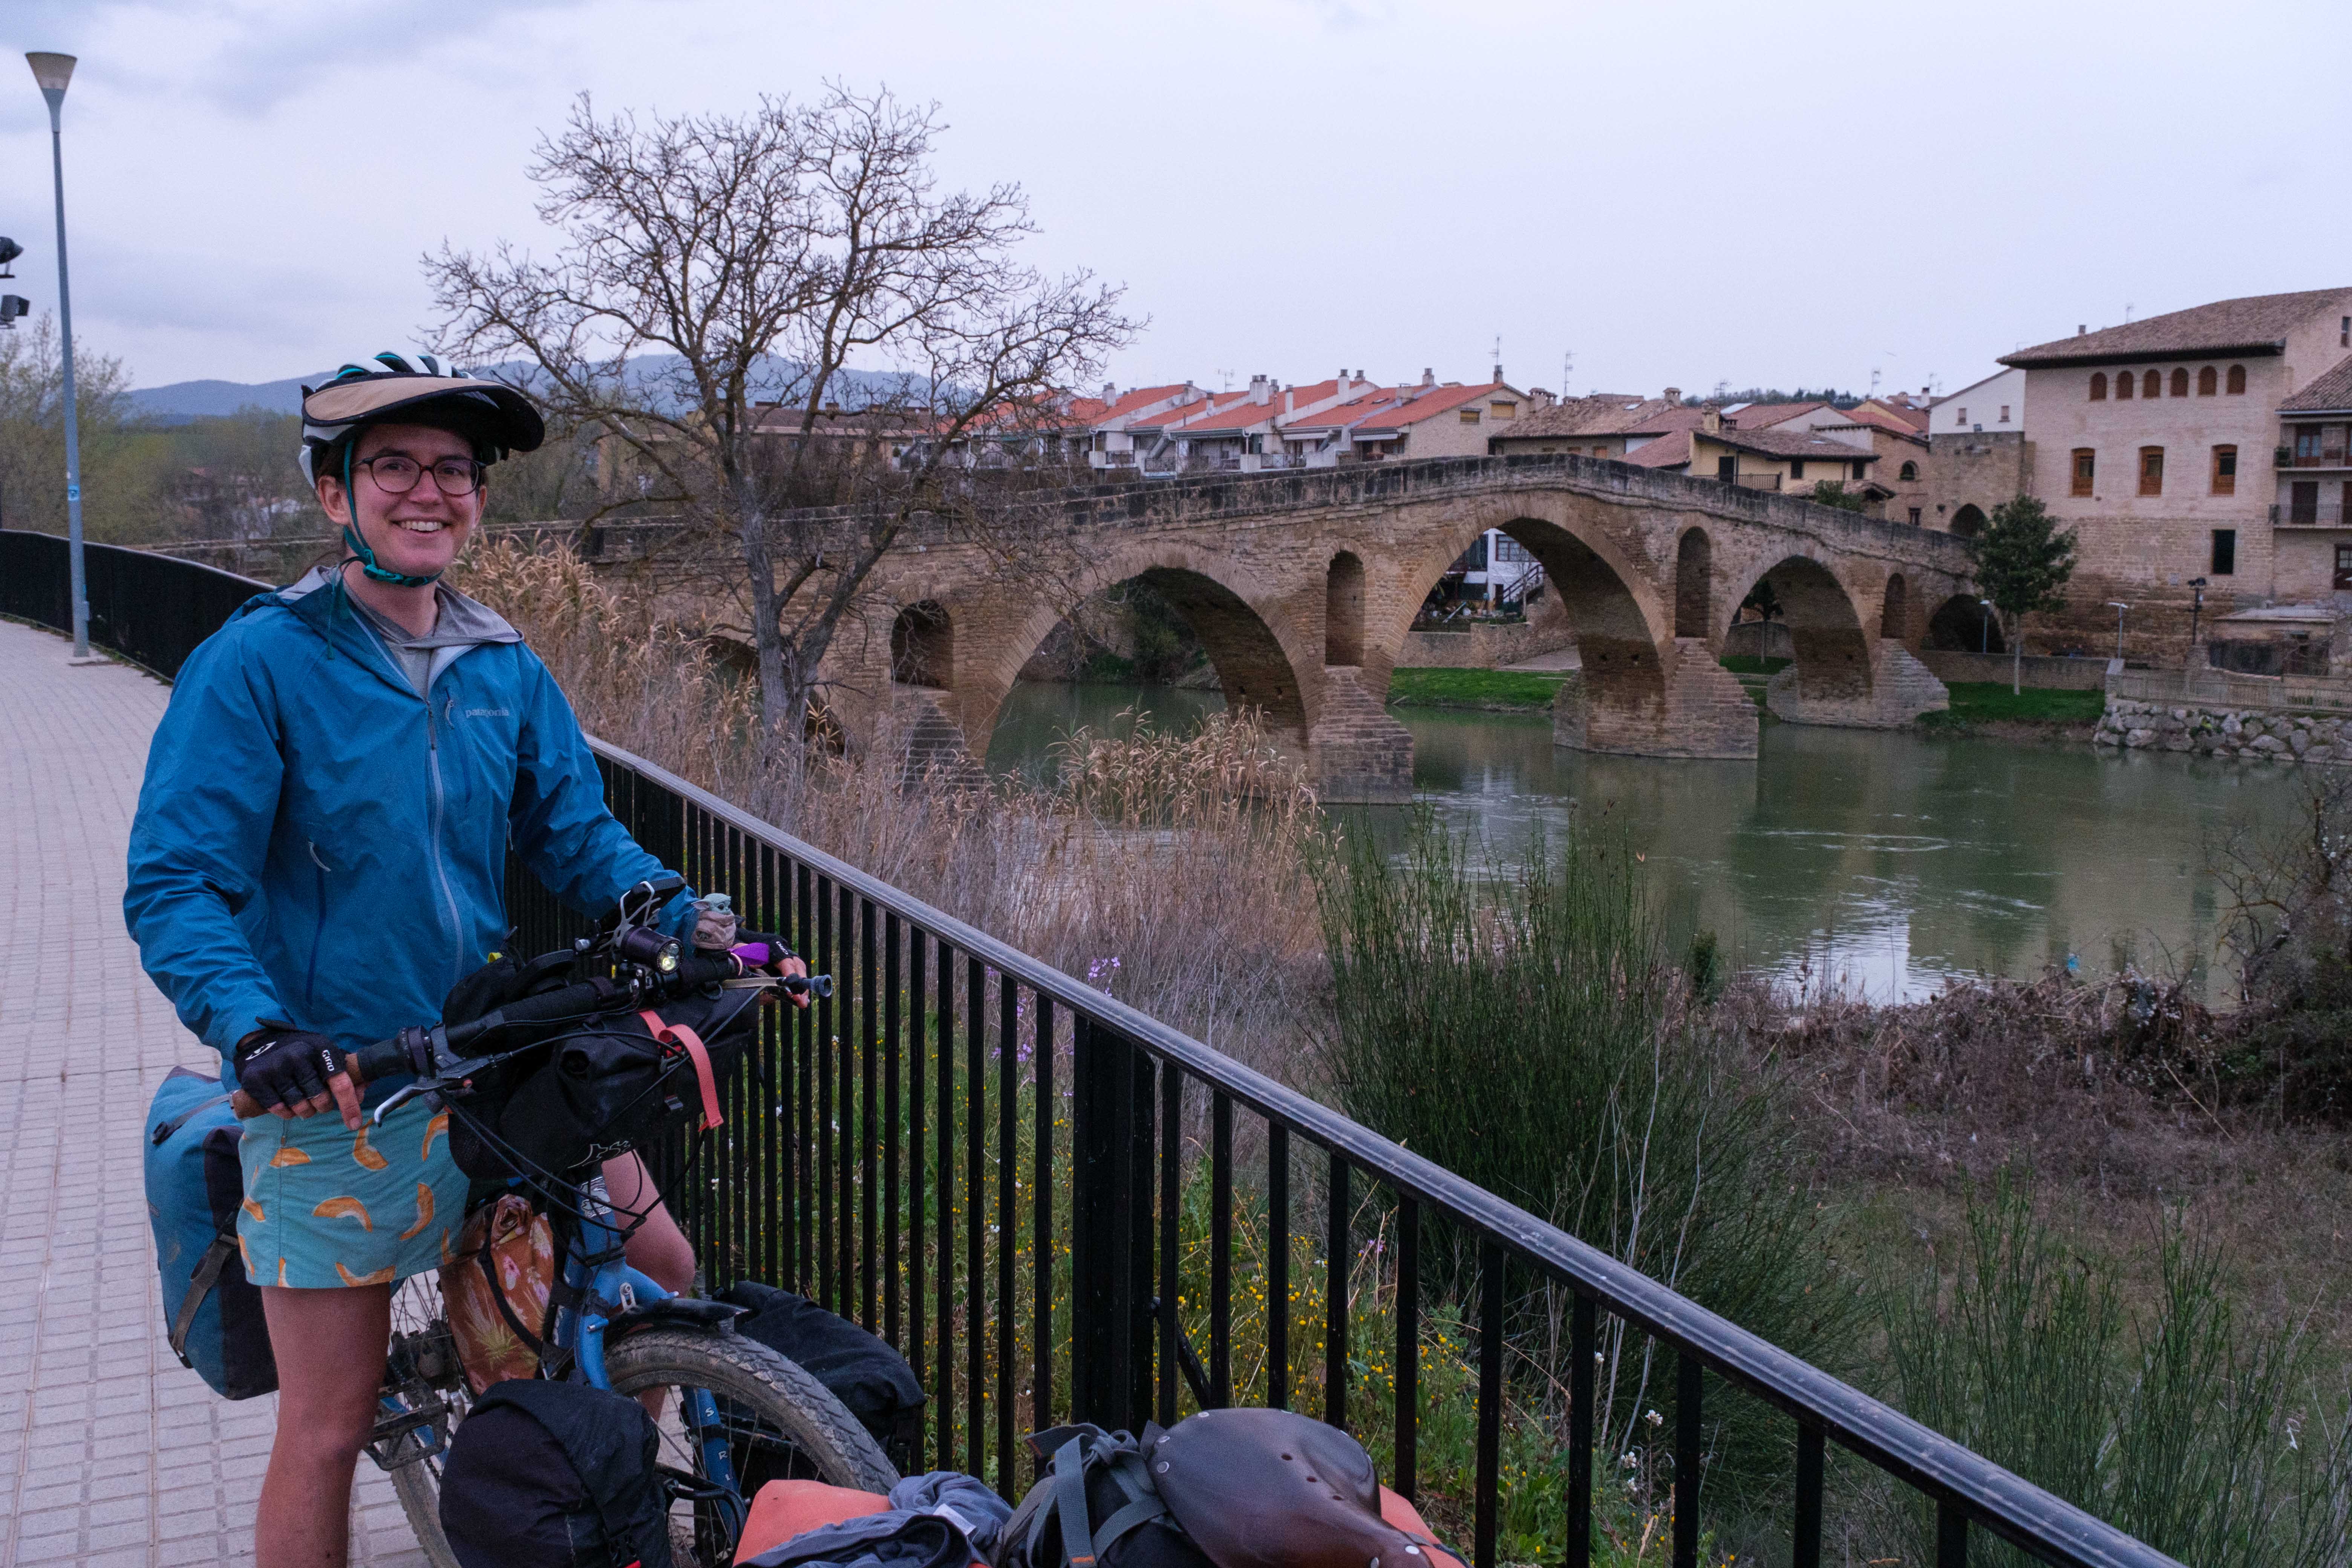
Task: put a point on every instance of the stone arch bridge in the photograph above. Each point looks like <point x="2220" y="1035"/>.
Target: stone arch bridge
<point x="1302" y="586"/>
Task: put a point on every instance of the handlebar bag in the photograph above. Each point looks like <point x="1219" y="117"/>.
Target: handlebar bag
<point x="195" y="1185"/>
<point x="615" y="1082"/>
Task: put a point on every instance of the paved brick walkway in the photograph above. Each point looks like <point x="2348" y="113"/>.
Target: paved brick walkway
<point x="109" y="1451"/>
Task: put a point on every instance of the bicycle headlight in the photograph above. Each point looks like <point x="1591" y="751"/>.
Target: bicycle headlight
<point x="650" y="948"/>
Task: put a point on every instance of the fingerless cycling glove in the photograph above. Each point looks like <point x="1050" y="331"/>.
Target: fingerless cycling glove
<point x="279" y="1064"/>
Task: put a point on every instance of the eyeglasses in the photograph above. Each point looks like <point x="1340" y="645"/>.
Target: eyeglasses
<point x="396" y="474"/>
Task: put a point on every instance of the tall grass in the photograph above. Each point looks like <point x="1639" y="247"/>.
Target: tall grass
<point x="1525" y="1030"/>
<point x="2175" y="1421"/>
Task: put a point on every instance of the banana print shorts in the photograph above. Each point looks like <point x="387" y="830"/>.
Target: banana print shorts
<point x="325" y="1206"/>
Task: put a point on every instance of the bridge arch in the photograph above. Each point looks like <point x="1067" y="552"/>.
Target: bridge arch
<point x="1825" y="625"/>
<point x="1257" y="666"/>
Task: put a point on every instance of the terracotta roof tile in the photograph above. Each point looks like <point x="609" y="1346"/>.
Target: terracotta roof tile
<point x="2331" y="391"/>
<point x="1764" y="416"/>
<point x="1770" y="443"/>
<point x="1662" y="453"/>
<point x="2256" y="324"/>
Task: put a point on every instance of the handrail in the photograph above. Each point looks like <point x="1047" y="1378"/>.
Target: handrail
<point x="2013" y="1508"/>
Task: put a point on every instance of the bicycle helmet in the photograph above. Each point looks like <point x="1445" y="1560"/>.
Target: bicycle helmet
<point x="408" y="389"/>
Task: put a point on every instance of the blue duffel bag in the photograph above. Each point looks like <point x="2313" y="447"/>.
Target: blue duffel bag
<point x="195" y="1185"/>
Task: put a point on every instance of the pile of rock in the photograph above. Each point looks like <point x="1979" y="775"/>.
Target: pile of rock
<point x="2224" y="732"/>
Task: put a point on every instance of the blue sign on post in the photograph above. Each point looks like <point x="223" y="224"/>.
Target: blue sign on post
<point x="73" y="492"/>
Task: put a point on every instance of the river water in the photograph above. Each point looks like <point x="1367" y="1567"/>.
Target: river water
<point x="1884" y="863"/>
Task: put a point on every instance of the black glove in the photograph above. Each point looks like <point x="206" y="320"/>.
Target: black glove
<point x="279" y="1064"/>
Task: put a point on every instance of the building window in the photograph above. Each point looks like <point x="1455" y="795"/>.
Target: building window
<point x="2151" y="385"/>
<point x="2004" y="414"/>
<point x="2098" y="386"/>
<point x="2086" y="470"/>
<point x="2125" y="383"/>
<point x="2238" y="379"/>
<point x="1796" y="468"/>
<point x="1503" y="410"/>
<point x="1858" y="466"/>
<point x="2306" y="445"/>
<point x="2225" y="470"/>
<point x="1964" y="416"/>
<point x="2208" y="383"/>
<point x="1914" y="517"/>
<point x="2180" y="383"/>
<point x="2344" y="333"/>
<point x="2225" y="552"/>
<point x="1469" y="416"/>
<point x="2344" y="566"/>
<point x="1910" y="473"/>
<point x="2151" y="468"/>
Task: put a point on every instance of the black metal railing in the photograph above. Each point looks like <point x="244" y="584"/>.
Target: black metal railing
<point x="989" y="1164"/>
<point x="149" y="608"/>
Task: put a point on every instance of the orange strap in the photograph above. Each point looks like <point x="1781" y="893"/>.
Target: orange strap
<point x="678" y="1034"/>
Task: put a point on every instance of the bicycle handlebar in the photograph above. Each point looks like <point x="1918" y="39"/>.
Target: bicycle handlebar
<point x="387" y="1058"/>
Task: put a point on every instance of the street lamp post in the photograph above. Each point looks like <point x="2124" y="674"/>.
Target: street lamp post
<point x="53" y="71"/>
<point x="2196" y="586"/>
<point x="1984" y="627"/>
<point x="2118" y="607"/>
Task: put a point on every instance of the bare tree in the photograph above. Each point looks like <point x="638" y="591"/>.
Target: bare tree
<point x="717" y="277"/>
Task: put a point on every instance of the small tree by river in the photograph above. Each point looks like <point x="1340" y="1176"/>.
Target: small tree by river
<point x="2022" y="562"/>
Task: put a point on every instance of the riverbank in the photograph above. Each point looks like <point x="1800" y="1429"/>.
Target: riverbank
<point x="1992" y="712"/>
<point x="1475" y="691"/>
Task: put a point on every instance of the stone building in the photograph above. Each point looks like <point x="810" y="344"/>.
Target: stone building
<point x="2148" y="439"/>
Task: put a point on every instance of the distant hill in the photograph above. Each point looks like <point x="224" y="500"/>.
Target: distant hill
<point x="185" y="400"/>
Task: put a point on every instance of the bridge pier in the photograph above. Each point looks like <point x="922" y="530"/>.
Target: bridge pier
<point x="1628" y="701"/>
<point x="1837" y="688"/>
<point x="1358" y="755"/>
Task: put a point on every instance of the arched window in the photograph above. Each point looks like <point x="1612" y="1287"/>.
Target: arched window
<point x="2208" y="383"/>
<point x="1894" y="611"/>
<point x="2125" y="384"/>
<point x="1969" y="521"/>
<point x="2151" y="385"/>
<point x="2238" y="379"/>
<point x="2098" y="386"/>
<point x="1910" y="473"/>
<point x="922" y="645"/>
<point x="2180" y="383"/>
<point x="1693" y="565"/>
<point x="1343" y="610"/>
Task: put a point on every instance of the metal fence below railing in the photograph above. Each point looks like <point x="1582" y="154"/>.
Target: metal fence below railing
<point x="1012" y="1177"/>
<point x="2206" y="688"/>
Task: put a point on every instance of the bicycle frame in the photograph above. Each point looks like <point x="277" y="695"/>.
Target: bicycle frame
<point x="598" y="1276"/>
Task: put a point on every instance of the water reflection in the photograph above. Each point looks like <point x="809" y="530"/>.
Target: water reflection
<point x="1886" y="862"/>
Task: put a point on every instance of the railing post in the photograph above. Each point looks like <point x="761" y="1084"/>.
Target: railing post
<point x="1104" y="1244"/>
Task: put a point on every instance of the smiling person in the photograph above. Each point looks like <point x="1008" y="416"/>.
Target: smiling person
<point x="320" y="853"/>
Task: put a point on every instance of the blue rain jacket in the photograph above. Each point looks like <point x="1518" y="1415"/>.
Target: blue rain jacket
<point x="316" y="843"/>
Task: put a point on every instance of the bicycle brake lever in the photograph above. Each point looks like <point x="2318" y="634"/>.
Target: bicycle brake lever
<point x="398" y="1098"/>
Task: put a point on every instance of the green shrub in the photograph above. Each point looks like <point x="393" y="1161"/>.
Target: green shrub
<point x="1525" y="1031"/>
<point x="2176" y="1423"/>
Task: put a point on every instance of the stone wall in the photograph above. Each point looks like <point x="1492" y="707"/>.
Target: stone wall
<point x="2224" y="732"/>
<point x="1482" y="647"/>
<point x="2043" y="674"/>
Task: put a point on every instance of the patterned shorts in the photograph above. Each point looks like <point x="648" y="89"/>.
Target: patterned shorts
<point x="325" y="1206"/>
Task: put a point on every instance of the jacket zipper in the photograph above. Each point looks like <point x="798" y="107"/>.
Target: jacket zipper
<point x="440" y="872"/>
<point x="317" y="933"/>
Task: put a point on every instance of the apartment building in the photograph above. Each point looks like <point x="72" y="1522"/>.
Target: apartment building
<point x="2173" y="447"/>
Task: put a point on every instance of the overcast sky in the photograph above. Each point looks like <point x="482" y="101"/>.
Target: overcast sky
<point x="1756" y="192"/>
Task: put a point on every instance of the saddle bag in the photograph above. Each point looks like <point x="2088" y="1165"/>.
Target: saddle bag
<point x="1225" y="1488"/>
<point x="872" y="1381"/>
<point x="195" y="1185"/>
<point x="555" y="1475"/>
<point x="618" y="1081"/>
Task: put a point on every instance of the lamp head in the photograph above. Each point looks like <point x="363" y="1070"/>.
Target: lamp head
<point x="52" y="71"/>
